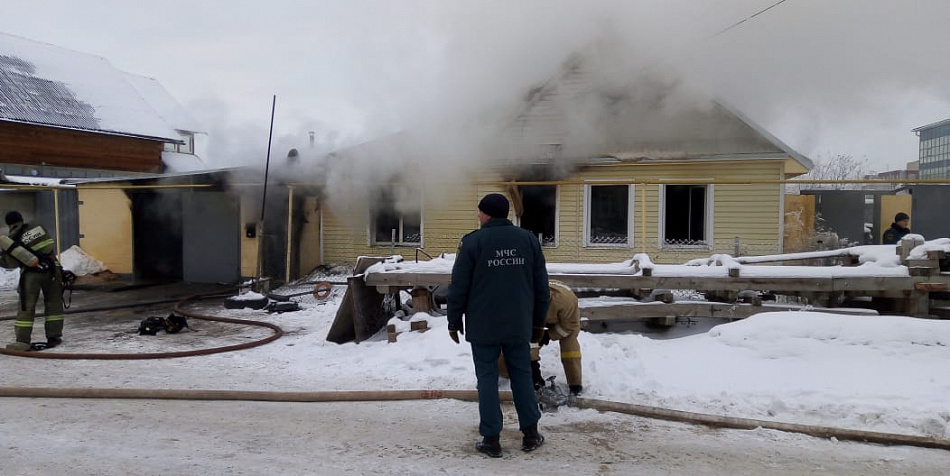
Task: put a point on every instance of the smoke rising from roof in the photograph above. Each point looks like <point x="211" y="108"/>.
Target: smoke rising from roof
<point x="849" y="76"/>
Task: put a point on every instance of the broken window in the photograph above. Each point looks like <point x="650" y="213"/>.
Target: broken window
<point x="684" y="215"/>
<point x="539" y="211"/>
<point x="608" y="214"/>
<point x="396" y="215"/>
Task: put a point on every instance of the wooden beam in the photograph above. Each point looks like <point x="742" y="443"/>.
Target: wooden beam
<point x="889" y="285"/>
<point x="653" y="310"/>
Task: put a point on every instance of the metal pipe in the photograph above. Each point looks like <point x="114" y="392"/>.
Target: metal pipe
<point x="260" y="236"/>
<point x="59" y="248"/>
<point x="644" y="411"/>
<point x="643" y="219"/>
<point x="684" y="181"/>
<point x="290" y="215"/>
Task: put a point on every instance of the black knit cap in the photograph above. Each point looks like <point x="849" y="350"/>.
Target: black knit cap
<point x="494" y="205"/>
<point x="13" y="218"/>
<point x="901" y="216"/>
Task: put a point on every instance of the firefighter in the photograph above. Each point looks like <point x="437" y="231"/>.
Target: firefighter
<point x="563" y="324"/>
<point x="39" y="271"/>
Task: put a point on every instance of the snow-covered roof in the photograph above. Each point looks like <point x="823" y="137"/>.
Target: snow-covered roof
<point x="178" y="162"/>
<point x="28" y="180"/>
<point x="585" y="116"/>
<point x="164" y="104"/>
<point x="54" y="86"/>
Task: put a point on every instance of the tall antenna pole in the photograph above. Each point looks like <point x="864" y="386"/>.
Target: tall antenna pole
<point x="260" y="234"/>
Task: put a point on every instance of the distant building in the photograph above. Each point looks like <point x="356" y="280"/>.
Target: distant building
<point x="934" y="150"/>
<point x="910" y="172"/>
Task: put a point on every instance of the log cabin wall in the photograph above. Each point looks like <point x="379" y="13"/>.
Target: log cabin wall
<point x="38" y="145"/>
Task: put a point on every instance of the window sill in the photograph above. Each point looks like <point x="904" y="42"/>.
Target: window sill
<point x="598" y="246"/>
<point x="666" y="247"/>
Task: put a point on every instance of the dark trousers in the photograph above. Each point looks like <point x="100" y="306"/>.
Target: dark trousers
<point x="32" y="282"/>
<point x="518" y="361"/>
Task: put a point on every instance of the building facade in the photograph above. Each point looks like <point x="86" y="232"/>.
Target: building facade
<point x="934" y="150"/>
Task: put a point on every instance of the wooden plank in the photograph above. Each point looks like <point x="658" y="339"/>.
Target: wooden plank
<point x="342" y="330"/>
<point x="368" y="316"/>
<point x="654" y="310"/>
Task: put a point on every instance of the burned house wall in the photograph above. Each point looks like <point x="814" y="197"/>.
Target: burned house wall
<point x="446" y="217"/>
<point x="752" y="212"/>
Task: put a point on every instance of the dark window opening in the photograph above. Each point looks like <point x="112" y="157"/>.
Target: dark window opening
<point x="390" y="221"/>
<point x="609" y="214"/>
<point x="685" y="215"/>
<point x="539" y="205"/>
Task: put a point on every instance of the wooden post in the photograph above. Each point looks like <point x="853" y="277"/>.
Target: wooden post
<point x="391" y="333"/>
<point x="421" y="299"/>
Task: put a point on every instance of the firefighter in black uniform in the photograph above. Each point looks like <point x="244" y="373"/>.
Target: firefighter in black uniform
<point x="500" y="285"/>
<point x="39" y="271"/>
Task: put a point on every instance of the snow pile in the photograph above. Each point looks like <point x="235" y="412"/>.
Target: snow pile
<point x="877" y="261"/>
<point x="920" y="251"/>
<point x="9" y="278"/>
<point x="79" y="262"/>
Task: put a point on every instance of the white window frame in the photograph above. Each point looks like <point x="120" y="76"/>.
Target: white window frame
<point x="188" y="147"/>
<point x="631" y="201"/>
<point x="709" y="236"/>
<point x="557" y="218"/>
<point x="371" y="229"/>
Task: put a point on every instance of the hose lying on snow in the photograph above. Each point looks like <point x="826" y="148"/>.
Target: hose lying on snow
<point x="472" y="396"/>
<point x="278" y="332"/>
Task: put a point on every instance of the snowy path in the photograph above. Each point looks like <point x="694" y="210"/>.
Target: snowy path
<point x="122" y="437"/>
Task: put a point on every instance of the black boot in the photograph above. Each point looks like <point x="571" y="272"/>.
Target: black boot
<point x="532" y="439"/>
<point x="490" y="446"/>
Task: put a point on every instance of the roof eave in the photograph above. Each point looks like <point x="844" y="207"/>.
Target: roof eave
<point x="95" y="131"/>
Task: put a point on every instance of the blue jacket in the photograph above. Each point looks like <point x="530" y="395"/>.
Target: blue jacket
<point x="500" y="284"/>
<point x="894" y="234"/>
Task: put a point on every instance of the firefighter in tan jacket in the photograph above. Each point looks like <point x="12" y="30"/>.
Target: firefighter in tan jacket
<point x="563" y="324"/>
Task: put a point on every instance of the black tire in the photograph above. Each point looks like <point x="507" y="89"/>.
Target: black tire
<point x="234" y="303"/>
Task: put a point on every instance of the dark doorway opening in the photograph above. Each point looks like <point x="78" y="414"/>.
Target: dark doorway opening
<point x="539" y="214"/>
<point x="156" y="235"/>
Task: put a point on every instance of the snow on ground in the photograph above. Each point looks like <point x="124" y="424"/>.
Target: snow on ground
<point x="864" y="372"/>
<point x="878" y="373"/>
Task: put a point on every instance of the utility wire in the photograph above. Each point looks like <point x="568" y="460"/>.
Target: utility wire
<point x="749" y="18"/>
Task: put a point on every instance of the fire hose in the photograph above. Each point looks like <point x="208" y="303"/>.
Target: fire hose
<point x="715" y="421"/>
<point x="278" y="332"/>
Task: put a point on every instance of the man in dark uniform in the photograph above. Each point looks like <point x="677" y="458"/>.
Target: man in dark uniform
<point x="500" y="285"/>
<point x="898" y="229"/>
<point x="45" y="274"/>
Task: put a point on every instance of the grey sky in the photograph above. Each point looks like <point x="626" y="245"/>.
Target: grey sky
<point x="826" y="76"/>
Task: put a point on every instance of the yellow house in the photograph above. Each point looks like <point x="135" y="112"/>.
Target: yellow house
<point x="600" y="172"/>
